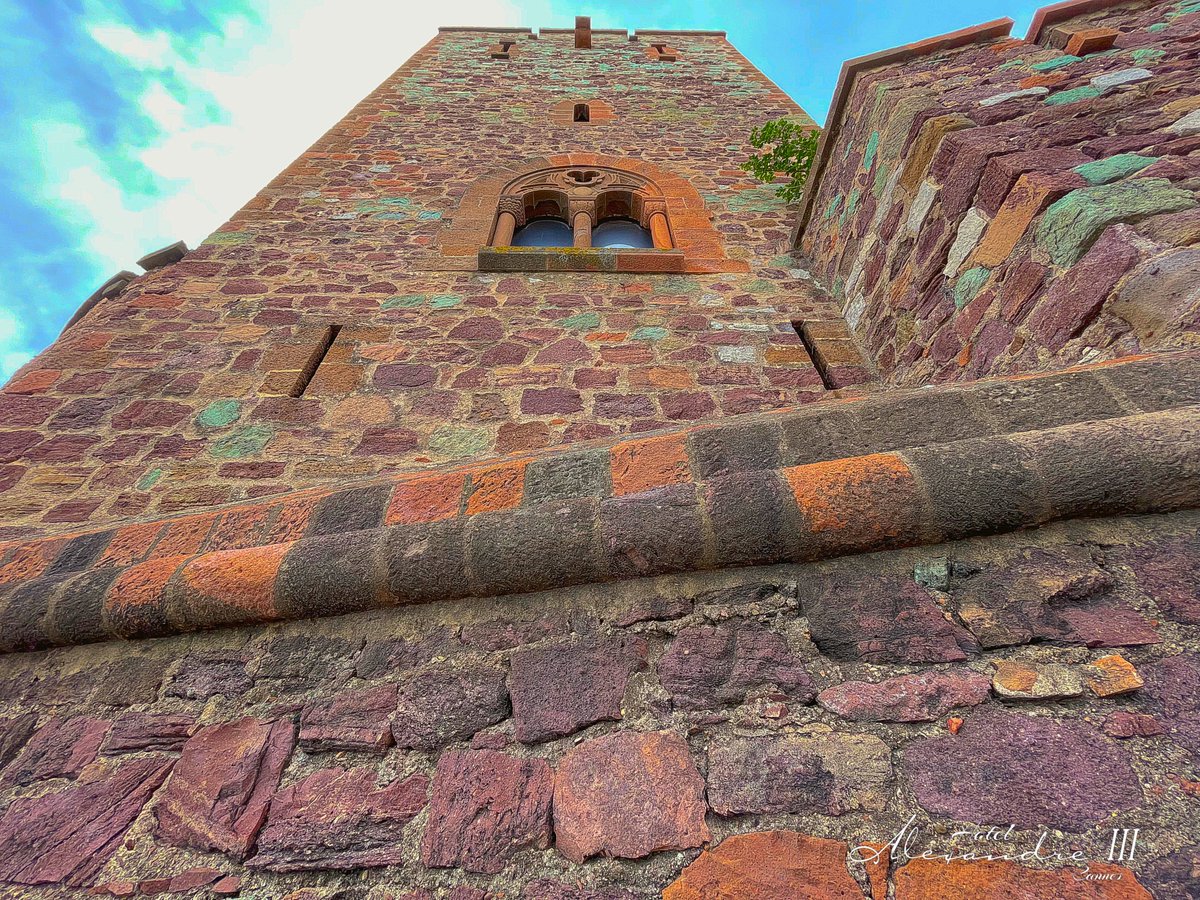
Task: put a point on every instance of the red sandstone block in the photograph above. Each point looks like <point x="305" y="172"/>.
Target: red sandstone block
<point x="33" y="382"/>
<point x="1090" y="40"/>
<point x="858" y="496"/>
<point x="432" y="499"/>
<point x="239" y="528"/>
<point x="496" y="488"/>
<point x="641" y="465"/>
<point x="30" y="561"/>
<point x="291" y="520"/>
<point x="135" y="604"/>
<point x="1033" y="192"/>
<point x="130" y="544"/>
<point x="183" y="537"/>
<point x="230" y="586"/>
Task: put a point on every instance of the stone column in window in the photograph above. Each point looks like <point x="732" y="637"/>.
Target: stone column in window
<point x="655" y="216"/>
<point x="512" y="213"/>
<point x="581" y="221"/>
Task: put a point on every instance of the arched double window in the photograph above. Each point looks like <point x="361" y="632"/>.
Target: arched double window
<point x="582" y="207"/>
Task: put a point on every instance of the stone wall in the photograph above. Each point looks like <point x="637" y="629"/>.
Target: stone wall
<point x="1007" y="205"/>
<point x="585" y="743"/>
<point x="165" y="399"/>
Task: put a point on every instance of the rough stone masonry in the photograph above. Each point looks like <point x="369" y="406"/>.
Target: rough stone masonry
<point x="807" y="552"/>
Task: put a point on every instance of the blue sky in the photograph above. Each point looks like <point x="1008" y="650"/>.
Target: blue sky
<point x="126" y="125"/>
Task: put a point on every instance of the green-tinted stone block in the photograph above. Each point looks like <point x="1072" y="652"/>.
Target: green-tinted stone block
<point x="219" y="413"/>
<point x="869" y="153"/>
<point x="1012" y="64"/>
<point x="244" y="442"/>
<point x="445" y="301"/>
<point x="649" y="333"/>
<point x="1070" y="226"/>
<point x="455" y="442"/>
<point x="392" y="216"/>
<point x="969" y="284"/>
<point x="880" y="185"/>
<point x="1073" y="96"/>
<point x="1114" y="168"/>
<point x="429" y="215"/>
<point x="403" y="302"/>
<point x="582" y="320"/>
<point x="677" y="284"/>
<point x="1147" y="54"/>
<point x="226" y="238"/>
<point x="832" y="209"/>
<point x="1049" y="65"/>
<point x="148" y="480"/>
<point x="1158" y="26"/>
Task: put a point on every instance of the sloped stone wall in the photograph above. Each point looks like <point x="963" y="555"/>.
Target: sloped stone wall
<point x="167" y="398"/>
<point x="1009" y="205"/>
<point x="587" y="743"/>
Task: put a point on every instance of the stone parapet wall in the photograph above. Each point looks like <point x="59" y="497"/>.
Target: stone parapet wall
<point x="988" y="205"/>
<point x="911" y="468"/>
<point x="488" y="749"/>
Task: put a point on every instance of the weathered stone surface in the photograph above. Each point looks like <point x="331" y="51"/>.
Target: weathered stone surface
<point x="822" y="771"/>
<point x="1158" y="297"/>
<point x="628" y="795"/>
<point x="1169" y="572"/>
<point x="1112" y="676"/>
<point x="351" y="720"/>
<point x="560" y="689"/>
<point x="545" y="889"/>
<point x="504" y="634"/>
<point x="655" y="608"/>
<point x="338" y="819"/>
<point x="136" y="732"/>
<point x="921" y="697"/>
<point x="708" y="666"/>
<point x="936" y="879"/>
<point x="59" y="749"/>
<point x="881" y="620"/>
<point x="14" y="732"/>
<point x="218" y="794"/>
<point x="1048" y="595"/>
<point x="485" y="807"/>
<point x="190" y="879"/>
<point x="1016" y="680"/>
<point x="1005" y="767"/>
<point x="768" y="865"/>
<point x="1176" y="875"/>
<point x="1173" y="687"/>
<point x="1071" y="224"/>
<point x="300" y="662"/>
<point x="68" y="836"/>
<point x="209" y="673"/>
<point x="379" y="658"/>
<point x="444" y="705"/>
<point x="1077" y="296"/>
<point x="1123" y="724"/>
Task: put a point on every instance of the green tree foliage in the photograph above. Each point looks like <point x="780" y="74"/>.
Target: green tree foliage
<point x="788" y="148"/>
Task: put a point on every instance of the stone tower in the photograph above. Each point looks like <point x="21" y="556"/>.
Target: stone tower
<point x="516" y="499"/>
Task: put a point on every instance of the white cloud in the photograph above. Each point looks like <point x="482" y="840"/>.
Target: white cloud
<point x="226" y="114"/>
<point x="279" y="78"/>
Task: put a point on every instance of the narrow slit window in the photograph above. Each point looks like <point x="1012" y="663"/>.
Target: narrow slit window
<point x="664" y="52"/>
<point x="314" y="362"/>
<point x="582" y="113"/>
<point x="814" y="353"/>
<point x="502" y="50"/>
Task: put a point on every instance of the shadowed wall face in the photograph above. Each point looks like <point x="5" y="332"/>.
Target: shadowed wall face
<point x="215" y="379"/>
